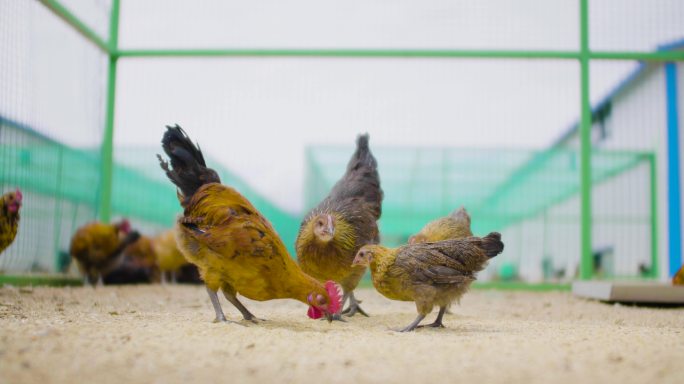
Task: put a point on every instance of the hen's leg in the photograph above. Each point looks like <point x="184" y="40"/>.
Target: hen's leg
<point x="413" y="325"/>
<point x="353" y="306"/>
<point x="163" y="277"/>
<point x="220" y="317"/>
<point x="438" y="321"/>
<point x="245" y="312"/>
<point x="100" y="280"/>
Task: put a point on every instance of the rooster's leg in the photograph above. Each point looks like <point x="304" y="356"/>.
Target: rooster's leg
<point x="413" y="325"/>
<point x="173" y="277"/>
<point x="438" y="321"/>
<point x="100" y="280"/>
<point x="245" y="312"/>
<point x="353" y="306"/>
<point x="220" y="317"/>
<point x="163" y="277"/>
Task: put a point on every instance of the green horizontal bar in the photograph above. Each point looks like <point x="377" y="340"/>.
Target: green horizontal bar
<point x="370" y="53"/>
<point x="58" y="9"/>
<point x="648" y="56"/>
<point x="39" y="280"/>
<point x="521" y="286"/>
<point x="404" y="53"/>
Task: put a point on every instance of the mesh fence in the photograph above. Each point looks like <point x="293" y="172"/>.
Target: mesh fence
<point x="270" y="91"/>
<point x="529" y="196"/>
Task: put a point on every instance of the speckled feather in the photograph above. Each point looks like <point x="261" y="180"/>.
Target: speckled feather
<point x="454" y="226"/>
<point x="431" y="273"/>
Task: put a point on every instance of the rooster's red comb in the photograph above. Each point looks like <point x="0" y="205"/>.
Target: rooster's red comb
<point x="335" y="298"/>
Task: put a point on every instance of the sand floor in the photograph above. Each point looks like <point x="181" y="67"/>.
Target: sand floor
<point x="158" y="334"/>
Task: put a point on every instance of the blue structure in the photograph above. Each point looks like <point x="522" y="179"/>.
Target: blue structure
<point x="673" y="170"/>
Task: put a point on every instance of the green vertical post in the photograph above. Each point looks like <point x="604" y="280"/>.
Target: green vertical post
<point x="107" y="150"/>
<point x="586" y="261"/>
<point x="655" y="268"/>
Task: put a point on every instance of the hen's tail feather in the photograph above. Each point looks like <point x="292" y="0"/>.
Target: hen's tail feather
<point x="188" y="170"/>
<point x="492" y="244"/>
<point x="363" y="155"/>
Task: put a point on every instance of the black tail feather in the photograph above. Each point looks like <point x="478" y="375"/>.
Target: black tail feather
<point x="188" y="170"/>
<point x="363" y="156"/>
<point x="492" y="244"/>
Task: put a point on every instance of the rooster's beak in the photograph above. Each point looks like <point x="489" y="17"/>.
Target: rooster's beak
<point x="329" y="317"/>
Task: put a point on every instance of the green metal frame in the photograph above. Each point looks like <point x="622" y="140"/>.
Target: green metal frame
<point x="584" y="56"/>
<point x="105" y="201"/>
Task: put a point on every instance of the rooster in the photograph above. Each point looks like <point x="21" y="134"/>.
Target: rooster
<point x="454" y="226"/>
<point x="98" y="248"/>
<point x="346" y="220"/>
<point x="9" y="217"/>
<point x="428" y="274"/>
<point x="234" y="247"/>
<point x="169" y="257"/>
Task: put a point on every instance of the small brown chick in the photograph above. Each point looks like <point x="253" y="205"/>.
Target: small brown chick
<point x="454" y="226"/>
<point x="428" y="274"/>
<point x="10" y="203"/>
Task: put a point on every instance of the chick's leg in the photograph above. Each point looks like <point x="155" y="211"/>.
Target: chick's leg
<point x="245" y="312"/>
<point x="354" y="306"/>
<point x="438" y="321"/>
<point x="413" y="325"/>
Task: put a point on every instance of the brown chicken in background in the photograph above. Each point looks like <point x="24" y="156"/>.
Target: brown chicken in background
<point x="235" y="248"/>
<point x="141" y="252"/>
<point x="140" y="256"/>
<point x="10" y="204"/>
<point x="678" y="278"/>
<point x="454" y="226"/>
<point x="98" y="248"/>
<point x="169" y="257"/>
<point x="428" y="274"/>
<point x="343" y="222"/>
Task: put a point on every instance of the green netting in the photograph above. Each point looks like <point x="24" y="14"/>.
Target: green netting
<point x="499" y="187"/>
<point x="61" y="189"/>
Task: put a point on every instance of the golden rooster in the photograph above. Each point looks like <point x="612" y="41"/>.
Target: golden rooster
<point x="343" y="222"/>
<point x="10" y="204"/>
<point x="234" y="247"/>
<point x="428" y="274"/>
<point x="169" y="257"/>
<point x="98" y="247"/>
<point x="454" y="226"/>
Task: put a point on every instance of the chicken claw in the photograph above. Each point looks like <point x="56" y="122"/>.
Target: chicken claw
<point x="438" y="321"/>
<point x="413" y="325"/>
<point x="246" y="314"/>
<point x="354" y="307"/>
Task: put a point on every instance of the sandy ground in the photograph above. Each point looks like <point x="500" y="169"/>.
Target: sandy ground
<point x="150" y="334"/>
